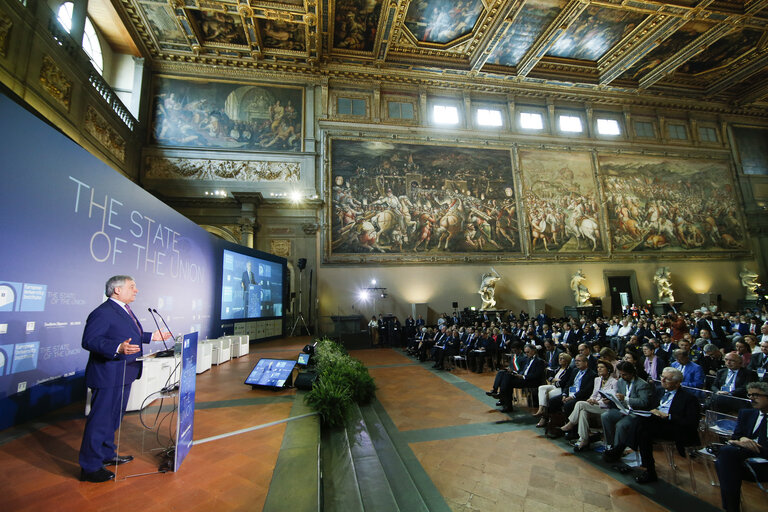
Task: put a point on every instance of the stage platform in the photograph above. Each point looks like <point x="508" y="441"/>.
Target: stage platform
<point x="460" y="453"/>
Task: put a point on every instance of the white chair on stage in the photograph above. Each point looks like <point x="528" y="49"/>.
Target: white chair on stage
<point x="240" y="345"/>
<point x="204" y="356"/>
<point x="222" y="350"/>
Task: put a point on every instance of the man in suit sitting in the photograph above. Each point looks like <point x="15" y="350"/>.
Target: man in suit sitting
<point x="759" y="362"/>
<point x="577" y="388"/>
<point x="749" y="439"/>
<point x="730" y="384"/>
<point x="531" y="376"/>
<point x="619" y="429"/>
<point x="693" y="375"/>
<point x="113" y="336"/>
<point x="675" y="417"/>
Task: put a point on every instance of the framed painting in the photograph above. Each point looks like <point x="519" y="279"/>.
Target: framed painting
<point x="660" y="205"/>
<point x="223" y="115"/>
<point x="561" y="202"/>
<point x="419" y="200"/>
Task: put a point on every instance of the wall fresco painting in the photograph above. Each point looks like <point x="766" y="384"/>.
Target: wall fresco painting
<point x="442" y="21"/>
<point x="163" y="24"/>
<point x="594" y="33"/>
<point x="529" y="24"/>
<point x="219" y="28"/>
<point x="671" y="204"/>
<point x="282" y="35"/>
<point x="560" y="198"/>
<point x="355" y="24"/>
<point x="670" y="46"/>
<point x="421" y="199"/>
<point x="723" y="51"/>
<point x="220" y="115"/>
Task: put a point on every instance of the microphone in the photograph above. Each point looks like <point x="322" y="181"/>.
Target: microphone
<point x="168" y="352"/>
<point x="165" y="324"/>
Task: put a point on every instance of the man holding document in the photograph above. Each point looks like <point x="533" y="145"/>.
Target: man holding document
<point x="619" y="427"/>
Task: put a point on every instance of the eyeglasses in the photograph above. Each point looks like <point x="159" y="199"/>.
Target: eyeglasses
<point x="755" y="395"/>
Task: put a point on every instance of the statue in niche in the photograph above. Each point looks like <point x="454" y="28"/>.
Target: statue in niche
<point x="580" y="292"/>
<point x="488" y="289"/>
<point x="749" y="281"/>
<point x="663" y="283"/>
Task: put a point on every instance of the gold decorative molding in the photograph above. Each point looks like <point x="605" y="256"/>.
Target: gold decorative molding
<point x="5" y="33"/>
<point x="55" y="82"/>
<point x="208" y="169"/>
<point x="103" y="132"/>
<point x="280" y="247"/>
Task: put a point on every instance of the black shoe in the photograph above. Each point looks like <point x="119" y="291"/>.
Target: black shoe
<point x="508" y="409"/>
<point x="98" y="476"/>
<point x="499" y="403"/>
<point x="613" y="455"/>
<point x="578" y="448"/>
<point x="119" y="459"/>
<point x="491" y="392"/>
<point x="646" y="477"/>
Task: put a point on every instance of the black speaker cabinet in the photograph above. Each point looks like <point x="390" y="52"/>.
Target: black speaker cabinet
<point x="305" y="380"/>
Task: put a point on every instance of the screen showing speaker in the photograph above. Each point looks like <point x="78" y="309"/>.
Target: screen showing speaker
<point x="271" y="372"/>
<point x="251" y="287"/>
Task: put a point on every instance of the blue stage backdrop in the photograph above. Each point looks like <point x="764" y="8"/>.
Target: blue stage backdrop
<point x="69" y="223"/>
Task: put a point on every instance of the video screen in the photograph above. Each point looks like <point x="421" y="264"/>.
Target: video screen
<point x="303" y="360"/>
<point x="251" y="287"/>
<point x="271" y="372"/>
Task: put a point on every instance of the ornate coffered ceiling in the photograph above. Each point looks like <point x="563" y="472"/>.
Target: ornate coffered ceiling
<point x="706" y="50"/>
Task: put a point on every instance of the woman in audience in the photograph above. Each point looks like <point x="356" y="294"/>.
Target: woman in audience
<point x="552" y="388"/>
<point x="744" y="351"/>
<point x="593" y="407"/>
<point x="607" y="354"/>
<point x="632" y="358"/>
<point x="652" y="363"/>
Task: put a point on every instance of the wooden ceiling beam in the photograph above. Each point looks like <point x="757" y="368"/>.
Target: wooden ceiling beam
<point x="495" y="33"/>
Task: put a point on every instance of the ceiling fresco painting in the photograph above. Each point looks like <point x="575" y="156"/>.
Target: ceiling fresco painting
<point x="281" y="35"/>
<point x="670" y="46"/>
<point x="219" y="28"/>
<point x="534" y="17"/>
<point x="356" y="24"/>
<point x="722" y="52"/>
<point x="442" y="21"/>
<point x="608" y="46"/>
<point x="594" y="33"/>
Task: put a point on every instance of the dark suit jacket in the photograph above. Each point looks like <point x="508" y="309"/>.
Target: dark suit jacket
<point x="554" y="364"/>
<point x="587" y="384"/>
<point x="746" y="424"/>
<point x="743" y="376"/>
<point x="758" y="361"/>
<point x="106" y="328"/>
<point x="684" y="417"/>
<point x="535" y="375"/>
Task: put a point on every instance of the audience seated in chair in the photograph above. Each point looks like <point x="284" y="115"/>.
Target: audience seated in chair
<point x="531" y="376"/>
<point x="552" y="388"/>
<point x="576" y="389"/>
<point x="592" y="407"/>
<point x="619" y="429"/>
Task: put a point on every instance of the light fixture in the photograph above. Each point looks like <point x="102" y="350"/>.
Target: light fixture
<point x="373" y="282"/>
<point x="363" y="295"/>
<point x="295" y="196"/>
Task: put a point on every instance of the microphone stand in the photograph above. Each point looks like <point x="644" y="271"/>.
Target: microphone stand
<point x="168" y="352"/>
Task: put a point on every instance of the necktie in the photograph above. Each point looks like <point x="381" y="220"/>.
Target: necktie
<point x="665" y="397"/>
<point x="135" y="320"/>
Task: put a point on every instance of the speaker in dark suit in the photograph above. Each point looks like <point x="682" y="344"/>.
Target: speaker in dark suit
<point x="749" y="439"/>
<point x="113" y="337"/>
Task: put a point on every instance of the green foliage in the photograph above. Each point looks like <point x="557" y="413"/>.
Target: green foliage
<point x="340" y="381"/>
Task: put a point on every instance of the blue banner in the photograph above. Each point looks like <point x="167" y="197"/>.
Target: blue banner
<point x="184" y="429"/>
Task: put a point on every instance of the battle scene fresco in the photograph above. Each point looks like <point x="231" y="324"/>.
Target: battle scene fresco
<point x="529" y="24"/>
<point x="670" y="46"/>
<point x="282" y="35"/>
<point x="723" y="51"/>
<point x="671" y="204"/>
<point x="219" y="27"/>
<point x="355" y="24"/>
<point x="442" y="21"/>
<point x="595" y="31"/>
<point x="421" y="199"/>
<point x="560" y="198"/>
<point x="219" y="115"/>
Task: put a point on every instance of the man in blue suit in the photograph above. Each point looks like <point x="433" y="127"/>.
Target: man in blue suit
<point x="749" y="439"/>
<point x="113" y="336"/>
<point x="693" y="375"/>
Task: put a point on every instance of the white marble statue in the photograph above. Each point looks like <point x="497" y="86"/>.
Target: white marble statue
<point x="749" y="281"/>
<point x="580" y="291"/>
<point x="664" y="285"/>
<point x="488" y="289"/>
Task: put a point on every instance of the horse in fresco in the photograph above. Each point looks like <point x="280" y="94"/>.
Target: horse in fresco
<point x="583" y="227"/>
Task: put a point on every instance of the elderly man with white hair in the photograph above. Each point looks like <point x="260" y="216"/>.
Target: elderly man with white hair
<point x="675" y="417"/>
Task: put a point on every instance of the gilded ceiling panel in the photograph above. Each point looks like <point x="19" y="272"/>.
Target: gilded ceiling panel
<point x="595" y="32"/>
<point x="355" y="24"/>
<point x="282" y="35"/>
<point x="534" y="17"/>
<point x="670" y="46"/>
<point x="163" y="23"/>
<point x="723" y="52"/>
<point x="218" y="27"/>
<point x="442" y="21"/>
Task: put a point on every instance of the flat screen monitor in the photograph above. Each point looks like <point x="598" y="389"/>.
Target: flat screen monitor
<point x="251" y="287"/>
<point x="271" y="372"/>
<point x="303" y="360"/>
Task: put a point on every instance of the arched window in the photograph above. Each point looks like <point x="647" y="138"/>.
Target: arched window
<point x="91" y="44"/>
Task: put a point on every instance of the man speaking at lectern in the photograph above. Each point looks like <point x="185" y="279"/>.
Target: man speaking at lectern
<point x="113" y="336"/>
